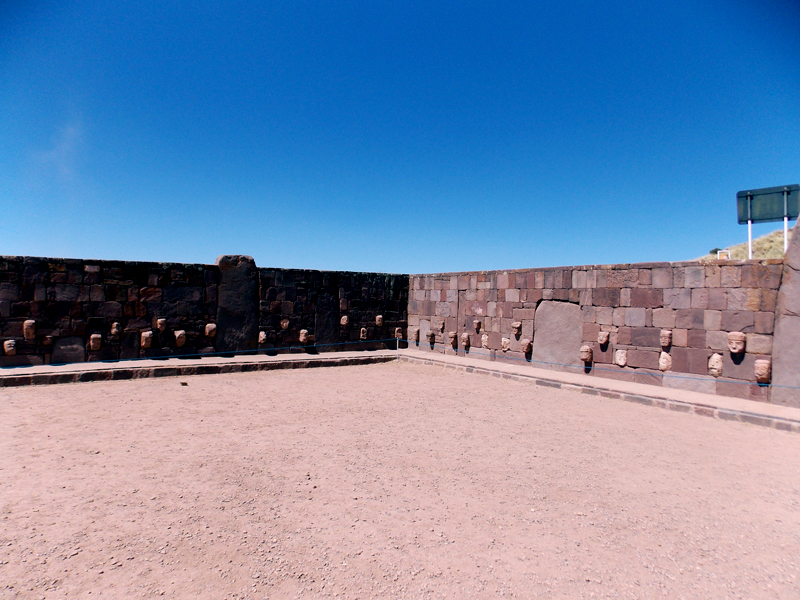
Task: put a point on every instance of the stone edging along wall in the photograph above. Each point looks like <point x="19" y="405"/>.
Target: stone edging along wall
<point x="658" y="323"/>
<point x="72" y="310"/>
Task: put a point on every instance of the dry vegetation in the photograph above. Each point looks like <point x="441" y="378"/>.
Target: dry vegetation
<point x="766" y="246"/>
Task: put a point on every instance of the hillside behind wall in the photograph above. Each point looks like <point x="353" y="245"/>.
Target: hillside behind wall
<point x="250" y="309"/>
<point x="561" y="309"/>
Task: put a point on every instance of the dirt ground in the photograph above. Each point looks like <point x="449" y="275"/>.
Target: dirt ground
<point x="386" y="481"/>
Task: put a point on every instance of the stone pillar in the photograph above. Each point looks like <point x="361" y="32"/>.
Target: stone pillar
<point x="237" y="304"/>
<point x="786" y="340"/>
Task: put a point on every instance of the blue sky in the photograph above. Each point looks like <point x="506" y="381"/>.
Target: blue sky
<point x="389" y="136"/>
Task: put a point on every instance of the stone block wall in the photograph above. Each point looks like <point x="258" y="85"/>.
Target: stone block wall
<point x="293" y="300"/>
<point x="699" y="303"/>
<point x="71" y="300"/>
<point x="72" y="310"/>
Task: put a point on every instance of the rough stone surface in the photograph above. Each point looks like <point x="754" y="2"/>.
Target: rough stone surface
<point x="29" y="329"/>
<point x="237" y="304"/>
<point x="558" y="333"/>
<point x="69" y="350"/>
<point x="786" y="341"/>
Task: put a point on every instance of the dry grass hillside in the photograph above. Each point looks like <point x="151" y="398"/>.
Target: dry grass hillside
<point x="766" y="246"/>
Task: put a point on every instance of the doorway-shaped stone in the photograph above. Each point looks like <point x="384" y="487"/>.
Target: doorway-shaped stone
<point x="558" y="331"/>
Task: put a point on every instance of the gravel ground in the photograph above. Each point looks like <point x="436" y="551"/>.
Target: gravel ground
<point x="386" y="481"/>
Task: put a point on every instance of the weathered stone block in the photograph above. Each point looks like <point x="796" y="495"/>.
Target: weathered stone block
<point x="764" y="322"/>
<point x="646" y="298"/>
<point x="731" y="277"/>
<point x="739" y="366"/>
<point x="664" y="318"/>
<point x="717" y="340"/>
<point x="662" y="277"/>
<point x="694" y="277"/>
<point x="68" y="350"/>
<point x="678" y="298"/>
<point x="604" y="297"/>
<point x="696" y="338"/>
<point x="737" y="321"/>
<point x="759" y="344"/>
<point x="603" y="315"/>
<point x="558" y="332"/>
<point x="761" y="276"/>
<point x="647" y="337"/>
<point x="635" y="317"/>
<point x="690" y="319"/>
<point x="589" y="331"/>
<point x="238" y="301"/>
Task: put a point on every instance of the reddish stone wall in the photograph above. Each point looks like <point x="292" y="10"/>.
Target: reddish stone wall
<point x="699" y="302"/>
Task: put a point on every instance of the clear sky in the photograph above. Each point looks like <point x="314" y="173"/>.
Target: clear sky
<point x="392" y="136"/>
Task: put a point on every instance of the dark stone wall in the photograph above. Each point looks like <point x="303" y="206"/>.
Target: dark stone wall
<point x="72" y="299"/>
<point x="293" y="300"/>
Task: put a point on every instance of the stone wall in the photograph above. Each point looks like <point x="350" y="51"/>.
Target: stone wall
<point x="698" y="303"/>
<point x="71" y="310"/>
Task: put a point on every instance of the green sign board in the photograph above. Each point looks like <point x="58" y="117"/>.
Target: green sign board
<point x="768" y="204"/>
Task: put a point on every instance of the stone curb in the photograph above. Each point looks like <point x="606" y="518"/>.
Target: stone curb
<point x="704" y="410"/>
<point x="133" y="372"/>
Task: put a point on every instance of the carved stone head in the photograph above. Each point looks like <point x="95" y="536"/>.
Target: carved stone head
<point x="95" y="341"/>
<point x="211" y="329"/>
<point x="516" y="327"/>
<point x="431" y="335"/>
<point x="453" y="337"/>
<point x="715" y="365"/>
<point x="736" y="342"/>
<point x="586" y="354"/>
<point x="666" y="338"/>
<point x="413" y="334"/>
<point x="363" y="334"/>
<point x="398" y="333"/>
<point x="161" y="324"/>
<point x="763" y="370"/>
<point x="146" y="339"/>
<point x="29" y="329"/>
<point x="505" y="344"/>
<point x="665" y="361"/>
<point x="485" y="340"/>
<point x="379" y="320"/>
<point x="602" y="337"/>
<point x="477" y="325"/>
<point x="621" y="358"/>
<point x="303" y="336"/>
<point x="465" y="341"/>
<point x="116" y="328"/>
<point x="180" y="338"/>
<point x="527" y="346"/>
<point x="284" y="324"/>
<point x="344" y="321"/>
<point x="10" y="347"/>
<point x="262" y="337"/>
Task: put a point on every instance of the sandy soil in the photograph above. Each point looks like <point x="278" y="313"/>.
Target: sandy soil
<point x="386" y="481"/>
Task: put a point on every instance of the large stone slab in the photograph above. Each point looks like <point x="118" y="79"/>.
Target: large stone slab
<point x="69" y="350"/>
<point x="558" y="331"/>
<point x="326" y="322"/>
<point x="786" y="341"/>
<point x="237" y="304"/>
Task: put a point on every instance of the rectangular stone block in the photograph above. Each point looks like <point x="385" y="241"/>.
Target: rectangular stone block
<point x="712" y="320"/>
<point x="731" y="277"/>
<point x="677" y="298"/>
<point x="643" y="358"/>
<point x="590" y="331"/>
<point x="518" y="314"/>
<point x="602" y="354"/>
<point x="769" y="300"/>
<point x="704" y="384"/>
<point x="764" y="322"/>
<point x="635" y="317"/>
<point x="694" y="277"/>
<point x="589" y="314"/>
<point x="512" y="295"/>
<point x="605" y="297"/>
<point x="578" y="279"/>
<point x="700" y="298"/>
<point x="717" y="299"/>
<point x="623" y="336"/>
<point x="662" y="277"/>
<point x="664" y="318"/>
<point x="618" y="317"/>
<point x="758" y="344"/>
<point x="689" y="319"/>
<point x="696" y="338"/>
<point x="604" y="315"/>
<point x="713" y="276"/>
<point x="647" y="337"/>
<point x="646" y="298"/>
<point x="690" y="360"/>
<point x="762" y="276"/>
<point x="645" y="277"/>
<point x="680" y="337"/>
<point x="739" y="366"/>
<point x="737" y="320"/>
<point x="625" y="297"/>
<point x="717" y="340"/>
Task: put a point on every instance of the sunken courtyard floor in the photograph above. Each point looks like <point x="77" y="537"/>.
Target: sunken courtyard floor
<point x="390" y="480"/>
